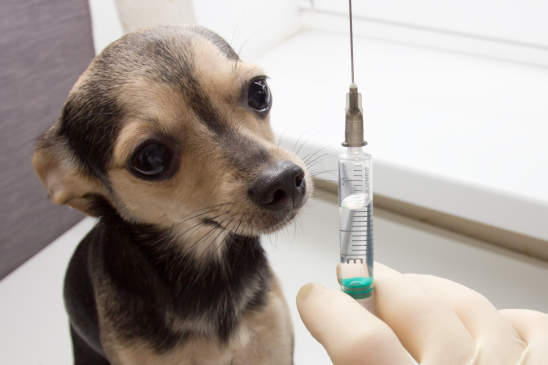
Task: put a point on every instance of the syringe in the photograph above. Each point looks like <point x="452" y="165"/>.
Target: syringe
<point x="355" y="200"/>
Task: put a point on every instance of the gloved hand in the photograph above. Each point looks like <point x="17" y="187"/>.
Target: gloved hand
<point x="436" y="320"/>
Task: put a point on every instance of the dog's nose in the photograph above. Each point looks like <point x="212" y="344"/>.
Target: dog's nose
<point x="281" y="186"/>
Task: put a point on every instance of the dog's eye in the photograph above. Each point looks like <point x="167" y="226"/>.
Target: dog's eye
<point x="258" y="95"/>
<point x="152" y="160"/>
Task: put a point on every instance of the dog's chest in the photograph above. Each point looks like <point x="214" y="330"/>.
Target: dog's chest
<point x="262" y="337"/>
<point x="192" y="352"/>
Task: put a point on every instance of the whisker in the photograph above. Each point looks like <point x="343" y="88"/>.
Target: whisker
<point x="310" y="155"/>
<point x="315" y="170"/>
<point x="325" y="172"/>
<point x="240" y="223"/>
<point x="295" y="149"/>
<point x="303" y="142"/>
<point x="221" y="229"/>
<point x="316" y="159"/>
<point x="201" y="238"/>
<point x="279" y="138"/>
<point x="200" y="223"/>
<point x="225" y="227"/>
<point x="203" y="211"/>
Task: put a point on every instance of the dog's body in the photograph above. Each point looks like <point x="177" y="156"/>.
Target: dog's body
<point x="149" y="314"/>
<point x="166" y="138"/>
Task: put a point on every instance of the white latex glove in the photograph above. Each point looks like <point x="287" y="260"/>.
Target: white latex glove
<point x="436" y="320"/>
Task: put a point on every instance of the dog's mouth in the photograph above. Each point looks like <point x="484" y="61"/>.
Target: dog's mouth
<point x="211" y="222"/>
<point x="253" y="224"/>
<point x="282" y="222"/>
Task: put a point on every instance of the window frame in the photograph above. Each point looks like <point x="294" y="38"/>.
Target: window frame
<point x="498" y="37"/>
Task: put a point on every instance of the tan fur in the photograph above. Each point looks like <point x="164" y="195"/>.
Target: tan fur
<point x="64" y="182"/>
<point x="222" y="81"/>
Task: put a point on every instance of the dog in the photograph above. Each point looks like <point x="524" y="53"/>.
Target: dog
<point x="166" y="138"/>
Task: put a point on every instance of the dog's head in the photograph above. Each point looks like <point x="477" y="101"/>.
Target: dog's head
<point x="172" y="129"/>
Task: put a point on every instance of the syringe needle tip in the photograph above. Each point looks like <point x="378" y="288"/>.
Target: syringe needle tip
<point x="351" y="40"/>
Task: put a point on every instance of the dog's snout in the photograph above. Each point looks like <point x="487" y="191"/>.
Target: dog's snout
<point x="279" y="187"/>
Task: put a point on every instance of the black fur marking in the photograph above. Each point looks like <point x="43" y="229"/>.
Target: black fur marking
<point x="202" y="107"/>
<point x="89" y="123"/>
<point x="244" y="153"/>
<point x="79" y="295"/>
<point x="131" y="262"/>
<point x="83" y="353"/>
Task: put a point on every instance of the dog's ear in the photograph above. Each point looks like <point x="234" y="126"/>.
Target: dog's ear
<point x="59" y="171"/>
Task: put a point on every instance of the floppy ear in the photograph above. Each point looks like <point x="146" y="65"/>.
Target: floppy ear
<point x="64" y="180"/>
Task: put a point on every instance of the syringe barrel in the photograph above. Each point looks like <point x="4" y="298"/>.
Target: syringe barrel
<point x="356" y="208"/>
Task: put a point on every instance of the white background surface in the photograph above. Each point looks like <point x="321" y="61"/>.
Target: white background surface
<point x="35" y="328"/>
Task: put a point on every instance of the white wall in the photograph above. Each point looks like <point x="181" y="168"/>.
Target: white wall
<point x="250" y="26"/>
<point x="105" y="22"/>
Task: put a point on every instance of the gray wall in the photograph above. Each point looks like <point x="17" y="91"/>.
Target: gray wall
<point x="44" y="46"/>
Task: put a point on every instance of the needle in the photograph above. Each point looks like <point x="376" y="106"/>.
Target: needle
<point x="351" y="39"/>
<point x="354" y="116"/>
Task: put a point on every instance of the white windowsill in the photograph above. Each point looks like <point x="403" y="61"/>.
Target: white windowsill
<point x="458" y="134"/>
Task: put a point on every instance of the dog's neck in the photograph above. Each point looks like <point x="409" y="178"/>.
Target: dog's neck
<point x="147" y="265"/>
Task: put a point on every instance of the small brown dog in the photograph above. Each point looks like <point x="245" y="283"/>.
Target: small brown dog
<point x="166" y="138"/>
